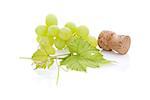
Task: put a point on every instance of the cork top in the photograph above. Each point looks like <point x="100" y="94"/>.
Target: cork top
<point x="108" y="40"/>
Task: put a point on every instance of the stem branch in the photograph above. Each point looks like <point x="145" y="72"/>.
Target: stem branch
<point x="57" y="71"/>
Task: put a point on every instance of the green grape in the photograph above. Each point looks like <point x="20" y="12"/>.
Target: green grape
<point x="51" y="40"/>
<point x="59" y="43"/>
<point x="71" y="26"/>
<point x="49" y="50"/>
<point x="45" y="40"/>
<point x="83" y="31"/>
<point x="51" y="20"/>
<point x="53" y="30"/>
<point x="41" y="30"/>
<point x="65" y="34"/>
<point x="92" y="40"/>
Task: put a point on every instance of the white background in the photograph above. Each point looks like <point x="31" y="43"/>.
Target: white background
<point x="127" y="79"/>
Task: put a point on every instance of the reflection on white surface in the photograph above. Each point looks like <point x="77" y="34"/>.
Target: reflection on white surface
<point x="46" y="73"/>
<point x="122" y="61"/>
<point x="121" y="64"/>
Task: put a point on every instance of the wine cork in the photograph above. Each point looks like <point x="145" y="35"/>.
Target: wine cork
<point x="109" y="40"/>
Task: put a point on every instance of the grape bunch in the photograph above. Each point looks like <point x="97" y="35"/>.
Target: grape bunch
<point x="50" y="37"/>
<point x="77" y="47"/>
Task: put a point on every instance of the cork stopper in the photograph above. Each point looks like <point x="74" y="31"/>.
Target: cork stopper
<point x="108" y="40"/>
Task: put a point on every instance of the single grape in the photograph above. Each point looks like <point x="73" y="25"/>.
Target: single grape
<point x="92" y="40"/>
<point x="41" y="30"/>
<point x="83" y="31"/>
<point x="51" y="20"/>
<point x="51" y="40"/>
<point x="65" y="34"/>
<point x="49" y="50"/>
<point x="71" y="26"/>
<point x="59" y="43"/>
<point x="45" y="40"/>
<point x="53" y="30"/>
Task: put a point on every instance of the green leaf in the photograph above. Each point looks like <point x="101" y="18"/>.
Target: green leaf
<point x="39" y="56"/>
<point x="83" y="55"/>
<point x="50" y="62"/>
<point x="42" y="59"/>
<point x="74" y="63"/>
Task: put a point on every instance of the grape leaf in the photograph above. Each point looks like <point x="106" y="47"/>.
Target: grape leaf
<point x="42" y="59"/>
<point x="82" y="55"/>
<point x="74" y="63"/>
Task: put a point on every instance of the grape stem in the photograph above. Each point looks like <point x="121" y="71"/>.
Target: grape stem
<point x="59" y="55"/>
<point x="57" y="71"/>
<point x="25" y="58"/>
<point x="54" y="57"/>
